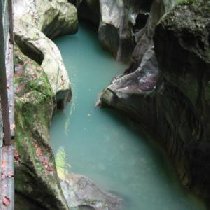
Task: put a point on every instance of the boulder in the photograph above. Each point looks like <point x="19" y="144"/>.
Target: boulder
<point x="52" y="17"/>
<point x="41" y="49"/>
<point x="83" y="193"/>
<point x="34" y="22"/>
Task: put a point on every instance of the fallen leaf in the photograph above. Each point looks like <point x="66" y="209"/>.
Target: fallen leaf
<point x="5" y="201"/>
<point x="3" y="164"/>
<point x="16" y="156"/>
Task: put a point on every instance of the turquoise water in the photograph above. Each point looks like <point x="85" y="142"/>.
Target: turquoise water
<point x="101" y="145"/>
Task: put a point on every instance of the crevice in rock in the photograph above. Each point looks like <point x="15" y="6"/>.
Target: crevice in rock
<point x="29" y="50"/>
<point x="141" y="21"/>
<point x="112" y="44"/>
<point x="25" y="202"/>
<point x="89" y="12"/>
<point x="50" y="29"/>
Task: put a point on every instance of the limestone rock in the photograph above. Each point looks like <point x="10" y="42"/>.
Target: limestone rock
<point x="174" y="100"/>
<point x="116" y="28"/>
<point x="36" y="19"/>
<point x="182" y="50"/>
<point x="36" y="45"/>
<point x="36" y="177"/>
<point x="89" y="10"/>
<point x="81" y="192"/>
<point x="116" y="22"/>
<point x="41" y="82"/>
<point x="133" y="92"/>
<point x="55" y="17"/>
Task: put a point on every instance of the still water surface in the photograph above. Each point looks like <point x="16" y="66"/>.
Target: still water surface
<point x="103" y="146"/>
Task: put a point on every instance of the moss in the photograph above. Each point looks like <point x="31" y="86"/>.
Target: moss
<point x="184" y="2"/>
<point x="33" y="111"/>
<point x="31" y="77"/>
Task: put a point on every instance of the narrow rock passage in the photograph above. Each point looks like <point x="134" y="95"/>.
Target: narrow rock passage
<point x="100" y="145"/>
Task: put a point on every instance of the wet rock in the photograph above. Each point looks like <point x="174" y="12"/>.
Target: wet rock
<point x="116" y="28"/>
<point x="89" y="10"/>
<point x="134" y="92"/>
<point x="35" y="174"/>
<point x="171" y="99"/>
<point x="33" y="42"/>
<point x="49" y="16"/>
<point x="41" y="82"/>
<point x="81" y="192"/>
<point x="182" y="50"/>
<point x="116" y="22"/>
<point x="34" y="20"/>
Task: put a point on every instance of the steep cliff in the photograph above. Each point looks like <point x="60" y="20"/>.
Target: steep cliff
<point x="182" y="47"/>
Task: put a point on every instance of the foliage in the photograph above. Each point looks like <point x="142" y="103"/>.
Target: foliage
<point x="186" y="1"/>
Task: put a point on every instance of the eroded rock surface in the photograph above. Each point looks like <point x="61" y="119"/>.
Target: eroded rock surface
<point x="34" y="21"/>
<point x="182" y="50"/>
<point x="41" y="83"/>
<point x="52" y="17"/>
<point x="35" y="174"/>
<point x="168" y="92"/>
<point x="117" y="26"/>
<point x="81" y="192"/>
<point x="117" y="22"/>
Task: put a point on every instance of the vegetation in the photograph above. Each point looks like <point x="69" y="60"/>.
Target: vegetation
<point x="186" y="1"/>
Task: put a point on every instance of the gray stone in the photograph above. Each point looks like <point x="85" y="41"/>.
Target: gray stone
<point x="34" y="21"/>
<point x="174" y="101"/>
<point x="83" y="193"/>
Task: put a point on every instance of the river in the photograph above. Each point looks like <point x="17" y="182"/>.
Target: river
<point x="101" y="144"/>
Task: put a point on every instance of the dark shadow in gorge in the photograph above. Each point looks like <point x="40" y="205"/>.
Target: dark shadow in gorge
<point x="169" y="172"/>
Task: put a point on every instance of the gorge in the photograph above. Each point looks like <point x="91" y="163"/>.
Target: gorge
<point x="103" y="146"/>
<point x="164" y="89"/>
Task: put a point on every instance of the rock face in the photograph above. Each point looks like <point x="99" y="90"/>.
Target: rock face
<point x="35" y="173"/>
<point x="117" y="22"/>
<point x="52" y="17"/>
<point x="41" y="83"/>
<point x="34" y="20"/>
<point x="117" y="26"/>
<point x="89" y="10"/>
<point x="183" y="53"/>
<point x="139" y="80"/>
<point x="41" y="49"/>
<point x="173" y="101"/>
<point x="81" y="192"/>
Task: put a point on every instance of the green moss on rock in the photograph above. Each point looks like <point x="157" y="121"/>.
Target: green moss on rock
<point x="36" y="176"/>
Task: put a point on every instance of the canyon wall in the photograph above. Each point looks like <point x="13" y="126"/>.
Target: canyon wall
<point x="166" y="87"/>
<point x="42" y="85"/>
